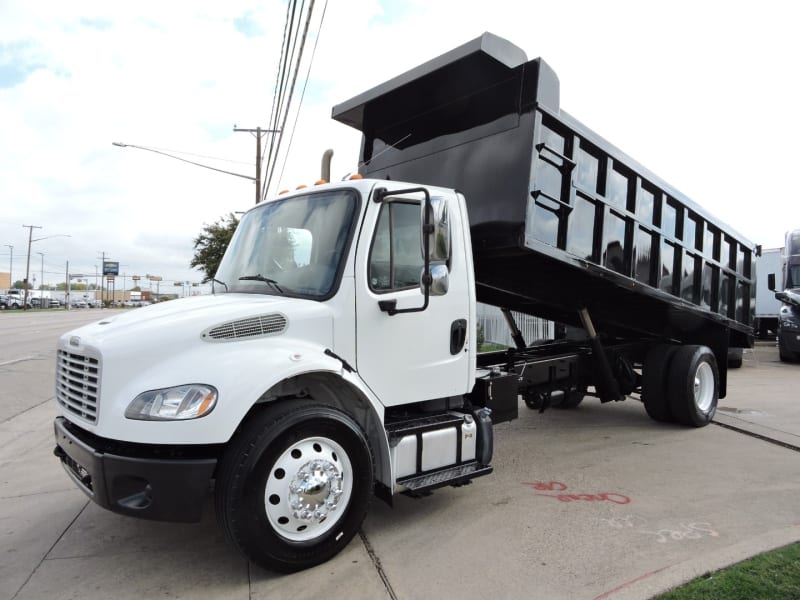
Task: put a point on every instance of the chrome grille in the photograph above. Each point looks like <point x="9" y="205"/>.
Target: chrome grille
<point x="78" y="384"/>
<point x="247" y="328"/>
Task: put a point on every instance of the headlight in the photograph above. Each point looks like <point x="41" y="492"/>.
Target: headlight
<point x="178" y="403"/>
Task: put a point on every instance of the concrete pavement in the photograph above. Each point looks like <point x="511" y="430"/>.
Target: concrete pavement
<point x="600" y="502"/>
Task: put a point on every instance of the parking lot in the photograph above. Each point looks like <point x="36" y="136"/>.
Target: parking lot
<point x="599" y="502"/>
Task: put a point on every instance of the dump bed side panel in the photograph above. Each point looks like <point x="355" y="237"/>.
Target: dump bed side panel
<point x="560" y="219"/>
<point x="592" y="206"/>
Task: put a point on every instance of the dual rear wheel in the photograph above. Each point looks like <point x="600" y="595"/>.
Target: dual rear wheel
<point x="681" y="384"/>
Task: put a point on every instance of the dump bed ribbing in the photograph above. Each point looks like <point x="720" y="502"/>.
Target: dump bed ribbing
<point x="560" y="218"/>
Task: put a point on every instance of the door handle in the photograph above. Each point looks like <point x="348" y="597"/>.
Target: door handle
<point x="458" y="335"/>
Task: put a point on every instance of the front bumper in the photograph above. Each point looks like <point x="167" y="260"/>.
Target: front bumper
<point x="137" y="479"/>
<point x="790" y="339"/>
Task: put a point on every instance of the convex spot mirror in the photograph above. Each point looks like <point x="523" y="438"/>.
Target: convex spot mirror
<point x="439" y="238"/>
<point x="440" y="280"/>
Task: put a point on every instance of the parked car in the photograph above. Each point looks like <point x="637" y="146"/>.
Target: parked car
<point x="12" y="302"/>
<point x="44" y="303"/>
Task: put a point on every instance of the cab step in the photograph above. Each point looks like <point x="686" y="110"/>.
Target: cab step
<point x="457" y="475"/>
<point x="396" y="430"/>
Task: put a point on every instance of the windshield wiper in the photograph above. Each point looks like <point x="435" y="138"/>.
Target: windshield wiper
<point x="222" y="283"/>
<point x="272" y="282"/>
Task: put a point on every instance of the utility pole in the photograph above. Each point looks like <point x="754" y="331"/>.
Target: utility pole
<point x="41" y="282"/>
<point x="103" y="291"/>
<point x="10" y="266"/>
<point x="258" y="133"/>
<point x="28" y="266"/>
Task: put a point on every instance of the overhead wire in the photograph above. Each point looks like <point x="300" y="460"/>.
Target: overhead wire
<point x="271" y="167"/>
<point x="241" y="162"/>
<point x="303" y="93"/>
<point x="280" y="78"/>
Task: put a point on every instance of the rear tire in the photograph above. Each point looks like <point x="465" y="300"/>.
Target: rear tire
<point x="693" y="385"/>
<point x="533" y="400"/>
<point x="572" y="397"/>
<point x="655" y="372"/>
<point x="735" y="358"/>
<point x="294" y="485"/>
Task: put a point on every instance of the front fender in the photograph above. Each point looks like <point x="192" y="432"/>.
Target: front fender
<point x="241" y="373"/>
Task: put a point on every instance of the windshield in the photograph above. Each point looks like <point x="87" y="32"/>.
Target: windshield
<point x="293" y="247"/>
<point x="793" y="277"/>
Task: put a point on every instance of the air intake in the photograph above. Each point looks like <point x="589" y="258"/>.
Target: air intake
<point x="253" y="327"/>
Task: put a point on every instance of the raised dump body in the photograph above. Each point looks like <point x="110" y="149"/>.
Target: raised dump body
<point x="560" y="219"/>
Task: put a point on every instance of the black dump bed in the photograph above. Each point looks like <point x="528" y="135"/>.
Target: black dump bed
<point x="560" y="218"/>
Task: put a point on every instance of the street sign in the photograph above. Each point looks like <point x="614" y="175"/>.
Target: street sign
<point x="110" y="268"/>
<point x="154" y="277"/>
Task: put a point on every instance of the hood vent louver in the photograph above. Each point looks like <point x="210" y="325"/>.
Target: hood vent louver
<point x="252" y="327"/>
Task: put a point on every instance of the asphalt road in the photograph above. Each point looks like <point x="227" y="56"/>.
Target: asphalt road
<point x="599" y="502"/>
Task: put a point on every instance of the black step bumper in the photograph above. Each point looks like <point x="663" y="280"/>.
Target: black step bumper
<point x="134" y="484"/>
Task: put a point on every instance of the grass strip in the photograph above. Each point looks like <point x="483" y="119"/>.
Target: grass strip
<point x="771" y="576"/>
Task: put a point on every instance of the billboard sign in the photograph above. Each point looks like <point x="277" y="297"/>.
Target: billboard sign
<point x="110" y="268"/>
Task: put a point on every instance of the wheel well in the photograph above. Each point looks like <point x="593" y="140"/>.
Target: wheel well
<point x="332" y="390"/>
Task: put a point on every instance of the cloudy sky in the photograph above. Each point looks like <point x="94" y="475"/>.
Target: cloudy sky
<point x="704" y="94"/>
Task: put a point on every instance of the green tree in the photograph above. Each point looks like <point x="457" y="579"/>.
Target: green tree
<point x="210" y="245"/>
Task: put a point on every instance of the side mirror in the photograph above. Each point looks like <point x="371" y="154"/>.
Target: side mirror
<point x="440" y="280"/>
<point x="439" y="236"/>
<point x="771" y="282"/>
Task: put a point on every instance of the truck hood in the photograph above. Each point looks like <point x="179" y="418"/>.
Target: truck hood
<point x="790" y="297"/>
<point x="191" y="319"/>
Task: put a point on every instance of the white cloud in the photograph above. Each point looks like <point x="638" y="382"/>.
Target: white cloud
<point x="701" y="94"/>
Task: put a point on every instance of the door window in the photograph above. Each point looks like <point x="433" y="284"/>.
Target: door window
<point x="396" y="261"/>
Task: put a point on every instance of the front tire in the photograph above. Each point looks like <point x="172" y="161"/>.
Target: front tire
<point x="693" y="385"/>
<point x="294" y="486"/>
<point x="785" y="354"/>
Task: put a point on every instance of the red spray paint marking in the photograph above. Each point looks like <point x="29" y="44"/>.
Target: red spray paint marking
<point x="549" y="486"/>
<point x="557" y="486"/>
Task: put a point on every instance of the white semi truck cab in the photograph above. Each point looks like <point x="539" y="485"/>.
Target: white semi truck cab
<point x="337" y="358"/>
<point x="321" y="326"/>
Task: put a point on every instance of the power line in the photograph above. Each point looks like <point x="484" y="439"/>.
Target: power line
<point x="280" y="73"/>
<point x="303" y="94"/>
<point x="229" y="160"/>
<point x="271" y="167"/>
<point x="191" y="162"/>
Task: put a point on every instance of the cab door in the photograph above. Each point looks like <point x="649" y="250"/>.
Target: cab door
<point x="409" y="357"/>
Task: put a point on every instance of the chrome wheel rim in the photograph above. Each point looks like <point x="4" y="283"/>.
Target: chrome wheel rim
<point x="308" y="489"/>
<point x="704" y="387"/>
